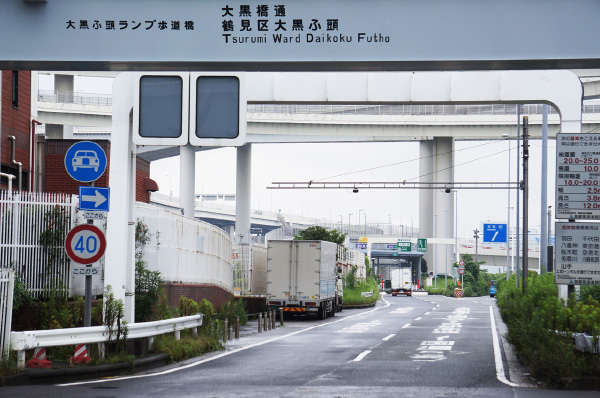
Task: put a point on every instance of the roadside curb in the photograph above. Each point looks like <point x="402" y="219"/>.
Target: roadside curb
<point x="52" y="376"/>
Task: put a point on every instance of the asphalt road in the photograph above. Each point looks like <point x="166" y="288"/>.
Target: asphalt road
<point x="421" y="346"/>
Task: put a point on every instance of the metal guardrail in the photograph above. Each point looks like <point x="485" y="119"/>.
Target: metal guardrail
<point x="27" y="340"/>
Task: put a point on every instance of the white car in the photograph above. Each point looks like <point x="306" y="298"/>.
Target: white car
<point x="86" y="159"/>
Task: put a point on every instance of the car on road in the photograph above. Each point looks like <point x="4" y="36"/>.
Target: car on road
<point x="86" y="159"/>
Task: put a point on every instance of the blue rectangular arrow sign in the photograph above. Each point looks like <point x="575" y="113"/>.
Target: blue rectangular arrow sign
<point x="494" y="233"/>
<point x="94" y="198"/>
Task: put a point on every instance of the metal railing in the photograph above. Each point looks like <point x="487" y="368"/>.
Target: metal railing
<point x="409" y="110"/>
<point x="73" y="97"/>
<point x="28" y="340"/>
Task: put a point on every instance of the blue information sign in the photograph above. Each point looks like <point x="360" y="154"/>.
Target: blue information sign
<point x="85" y="161"/>
<point x="94" y="198"/>
<point x="494" y="233"/>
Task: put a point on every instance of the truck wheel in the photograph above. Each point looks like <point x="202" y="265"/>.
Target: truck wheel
<point x="333" y="309"/>
<point x="322" y="312"/>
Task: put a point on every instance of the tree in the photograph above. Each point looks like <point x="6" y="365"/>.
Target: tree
<point x="320" y="233"/>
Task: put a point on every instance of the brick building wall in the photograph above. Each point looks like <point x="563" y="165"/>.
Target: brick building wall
<point x="16" y="121"/>
<point x="215" y="294"/>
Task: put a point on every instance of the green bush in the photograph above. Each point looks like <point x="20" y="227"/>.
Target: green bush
<point x="186" y="347"/>
<point x="232" y="309"/>
<point x="353" y="296"/>
<point x="540" y="327"/>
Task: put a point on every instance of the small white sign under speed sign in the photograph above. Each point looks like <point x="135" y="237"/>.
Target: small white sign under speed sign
<point x="85" y="270"/>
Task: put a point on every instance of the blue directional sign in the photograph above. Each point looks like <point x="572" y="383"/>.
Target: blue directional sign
<point x="94" y="198"/>
<point x="494" y="233"/>
<point x="85" y="161"/>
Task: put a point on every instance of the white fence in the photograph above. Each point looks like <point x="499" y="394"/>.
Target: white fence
<point x="186" y="250"/>
<point x="7" y="283"/>
<point x="32" y="231"/>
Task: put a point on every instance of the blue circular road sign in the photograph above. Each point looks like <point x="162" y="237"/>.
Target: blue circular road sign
<point x="85" y="161"/>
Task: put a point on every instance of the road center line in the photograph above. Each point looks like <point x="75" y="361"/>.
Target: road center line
<point x="224" y="354"/>
<point x="361" y="356"/>
<point x="498" y="358"/>
<point x="386" y="338"/>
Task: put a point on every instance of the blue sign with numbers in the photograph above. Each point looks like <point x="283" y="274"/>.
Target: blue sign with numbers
<point x="94" y="198"/>
<point x="85" y="161"/>
<point x="494" y="233"/>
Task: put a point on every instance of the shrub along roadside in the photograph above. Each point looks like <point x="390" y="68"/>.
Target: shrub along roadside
<point x="540" y="328"/>
<point x="353" y="296"/>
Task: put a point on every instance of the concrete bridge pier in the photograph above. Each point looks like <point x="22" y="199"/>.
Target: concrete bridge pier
<point x="436" y="206"/>
<point x="243" y="194"/>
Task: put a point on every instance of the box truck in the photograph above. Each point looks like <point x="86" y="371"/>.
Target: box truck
<point x="401" y="281"/>
<point x="303" y="277"/>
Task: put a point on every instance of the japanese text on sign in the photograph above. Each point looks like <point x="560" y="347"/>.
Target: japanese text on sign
<point x="577" y="259"/>
<point x="578" y="176"/>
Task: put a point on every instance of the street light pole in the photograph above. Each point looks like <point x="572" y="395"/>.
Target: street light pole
<point x="365" y="214"/>
<point x="508" y="217"/>
<point x="358" y="223"/>
<point x="446" y="248"/>
<point x="349" y="214"/>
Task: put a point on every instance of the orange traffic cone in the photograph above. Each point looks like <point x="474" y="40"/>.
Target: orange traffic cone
<point x="39" y="359"/>
<point x="81" y="355"/>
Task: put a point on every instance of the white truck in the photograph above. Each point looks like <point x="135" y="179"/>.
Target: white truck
<point x="303" y="276"/>
<point x="401" y="279"/>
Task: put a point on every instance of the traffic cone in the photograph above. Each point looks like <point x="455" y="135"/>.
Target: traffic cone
<point x="39" y="359"/>
<point x="81" y="355"/>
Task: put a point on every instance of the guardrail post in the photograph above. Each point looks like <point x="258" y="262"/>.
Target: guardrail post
<point x="281" y="317"/>
<point x="177" y="335"/>
<point x="21" y="360"/>
<point x="195" y="332"/>
<point x="273" y="322"/>
<point x="150" y="342"/>
<point x="101" y="350"/>
<point x="237" y="327"/>
<point x="265" y="322"/>
<point x="225" y="328"/>
<point x="259" y="322"/>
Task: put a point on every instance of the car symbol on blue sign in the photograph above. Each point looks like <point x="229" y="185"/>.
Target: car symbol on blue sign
<point x="85" y="161"/>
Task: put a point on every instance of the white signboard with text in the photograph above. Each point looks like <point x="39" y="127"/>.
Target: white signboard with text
<point x="578" y="176"/>
<point x="577" y="260"/>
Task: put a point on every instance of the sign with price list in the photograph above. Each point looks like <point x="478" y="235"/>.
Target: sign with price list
<point x="577" y="260"/>
<point x="578" y="176"/>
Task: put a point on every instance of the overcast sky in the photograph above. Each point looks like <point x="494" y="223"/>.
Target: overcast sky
<point x="474" y="161"/>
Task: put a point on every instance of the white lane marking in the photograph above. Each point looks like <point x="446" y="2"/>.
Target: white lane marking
<point x="402" y="310"/>
<point x="386" y="338"/>
<point x="427" y="313"/>
<point x="361" y="356"/>
<point x="419" y="318"/>
<point x="224" y="354"/>
<point x="498" y="358"/>
<point x="359" y="327"/>
<point x="405" y="326"/>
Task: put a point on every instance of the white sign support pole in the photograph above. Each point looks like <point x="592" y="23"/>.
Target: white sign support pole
<point x="120" y="227"/>
<point x="187" y="179"/>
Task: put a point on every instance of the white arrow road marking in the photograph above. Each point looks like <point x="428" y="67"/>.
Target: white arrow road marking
<point x="97" y="198"/>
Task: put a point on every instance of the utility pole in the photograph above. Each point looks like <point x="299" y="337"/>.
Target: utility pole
<point x="476" y="236"/>
<point x="525" y="188"/>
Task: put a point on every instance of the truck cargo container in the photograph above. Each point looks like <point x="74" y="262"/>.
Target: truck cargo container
<point x="303" y="276"/>
<point x="401" y="281"/>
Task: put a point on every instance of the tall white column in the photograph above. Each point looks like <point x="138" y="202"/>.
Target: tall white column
<point x="426" y="197"/>
<point x="443" y="148"/>
<point x="187" y="179"/>
<point x="120" y="228"/>
<point x="243" y="194"/>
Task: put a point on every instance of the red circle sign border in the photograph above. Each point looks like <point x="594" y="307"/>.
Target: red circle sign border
<point x="74" y="256"/>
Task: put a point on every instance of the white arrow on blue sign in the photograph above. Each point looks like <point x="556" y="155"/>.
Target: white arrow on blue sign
<point x="494" y="233"/>
<point x="85" y="161"/>
<point x="94" y="198"/>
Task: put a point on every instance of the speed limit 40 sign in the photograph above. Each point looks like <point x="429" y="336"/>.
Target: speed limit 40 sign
<point x="85" y="244"/>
